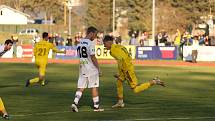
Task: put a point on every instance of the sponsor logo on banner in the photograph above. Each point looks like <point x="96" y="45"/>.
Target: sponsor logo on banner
<point x="167" y="52"/>
<point x="143" y="52"/>
<point x="156" y="52"/>
<point x="27" y="51"/>
<point x="71" y="52"/>
<point x="205" y="53"/>
<point x="102" y="53"/>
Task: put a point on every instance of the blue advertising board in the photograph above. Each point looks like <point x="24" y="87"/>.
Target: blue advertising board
<point x="71" y="52"/>
<point x="156" y="53"/>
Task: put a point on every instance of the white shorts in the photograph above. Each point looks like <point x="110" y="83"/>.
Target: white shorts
<point x="88" y="82"/>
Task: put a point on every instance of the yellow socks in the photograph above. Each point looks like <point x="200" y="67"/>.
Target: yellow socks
<point x="34" y="80"/>
<point x="2" y="108"/>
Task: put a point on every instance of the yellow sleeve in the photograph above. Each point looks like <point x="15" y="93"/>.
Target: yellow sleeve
<point x="35" y="50"/>
<point x="119" y="66"/>
<point x="117" y="55"/>
<point x="54" y="48"/>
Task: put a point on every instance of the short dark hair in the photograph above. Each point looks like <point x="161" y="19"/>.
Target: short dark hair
<point x="45" y="34"/>
<point x="195" y="37"/>
<point x="108" y="38"/>
<point x="91" y="29"/>
<point x="8" y="42"/>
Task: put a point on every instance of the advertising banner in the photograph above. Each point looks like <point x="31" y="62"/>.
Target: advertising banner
<point x="71" y="52"/>
<point x="24" y="51"/>
<point x="205" y="53"/>
<point x="156" y="53"/>
<point x="103" y="53"/>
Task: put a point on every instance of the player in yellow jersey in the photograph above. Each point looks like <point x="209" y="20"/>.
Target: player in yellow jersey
<point x="3" y="111"/>
<point x="41" y="51"/>
<point x="126" y="71"/>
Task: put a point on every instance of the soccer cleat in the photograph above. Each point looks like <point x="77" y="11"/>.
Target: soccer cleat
<point x="118" y="105"/>
<point x="98" y="109"/>
<point x="6" y="116"/>
<point x="44" y="83"/>
<point x="27" y="83"/>
<point x="74" y="107"/>
<point x="158" y="81"/>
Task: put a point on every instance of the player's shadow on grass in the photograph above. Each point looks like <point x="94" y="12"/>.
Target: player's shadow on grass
<point x="7" y="86"/>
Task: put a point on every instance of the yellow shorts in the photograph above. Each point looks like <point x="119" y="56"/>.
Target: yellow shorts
<point x="42" y="68"/>
<point x="130" y="76"/>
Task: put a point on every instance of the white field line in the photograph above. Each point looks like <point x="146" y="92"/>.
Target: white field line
<point x="113" y="110"/>
<point x="174" y="118"/>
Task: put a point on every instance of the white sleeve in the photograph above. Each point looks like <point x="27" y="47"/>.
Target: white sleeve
<point x="92" y="48"/>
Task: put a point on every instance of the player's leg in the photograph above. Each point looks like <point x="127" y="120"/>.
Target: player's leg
<point x="3" y="110"/>
<point x="132" y="79"/>
<point x="94" y="84"/>
<point x="42" y="73"/>
<point x="120" y="79"/>
<point x="78" y="94"/>
<point x="34" y="80"/>
<point x="82" y="84"/>
<point x="41" y="78"/>
<point x="96" y="102"/>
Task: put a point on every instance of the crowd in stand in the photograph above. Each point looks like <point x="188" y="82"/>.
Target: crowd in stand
<point x="135" y="38"/>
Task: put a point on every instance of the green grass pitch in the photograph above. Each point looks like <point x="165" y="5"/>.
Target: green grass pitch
<point x="189" y="95"/>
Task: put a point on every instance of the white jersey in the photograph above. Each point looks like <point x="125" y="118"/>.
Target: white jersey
<point x="2" y="52"/>
<point x="85" y="49"/>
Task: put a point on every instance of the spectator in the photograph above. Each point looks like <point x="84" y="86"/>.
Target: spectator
<point x="143" y="38"/>
<point x="69" y="41"/>
<point x="77" y="39"/>
<point x="59" y="40"/>
<point x="15" y="42"/>
<point x="118" y="40"/>
<point x="51" y="39"/>
<point x="201" y="40"/>
<point x="195" y="46"/>
<point x="99" y="38"/>
<point x="206" y="41"/>
<point x="177" y="38"/>
<point x="133" y="40"/>
<point x="36" y="39"/>
<point x="159" y="37"/>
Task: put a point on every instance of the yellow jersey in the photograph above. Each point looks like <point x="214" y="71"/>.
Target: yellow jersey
<point x="41" y="50"/>
<point x="120" y="53"/>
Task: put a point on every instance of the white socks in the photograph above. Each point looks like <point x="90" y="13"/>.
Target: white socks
<point x="78" y="95"/>
<point x="120" y="101"/>
<point x="96" y="102"/>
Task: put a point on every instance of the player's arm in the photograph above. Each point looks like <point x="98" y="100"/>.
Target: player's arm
<point x="95" y="63"/>
<point x="93" y="57"/>
<point x="54" y="48"/>
<point x="119" y="59"/>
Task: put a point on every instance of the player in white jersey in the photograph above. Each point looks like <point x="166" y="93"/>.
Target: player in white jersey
<point x="89" y="70"/>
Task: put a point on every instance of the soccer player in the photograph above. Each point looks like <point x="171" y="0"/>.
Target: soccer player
<point x="3" y="110"/>
<point x="89" y="70"/>
<point x="6" y="47"/>
<point x="41" y="51"/>
<point x="126" y="71"/>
